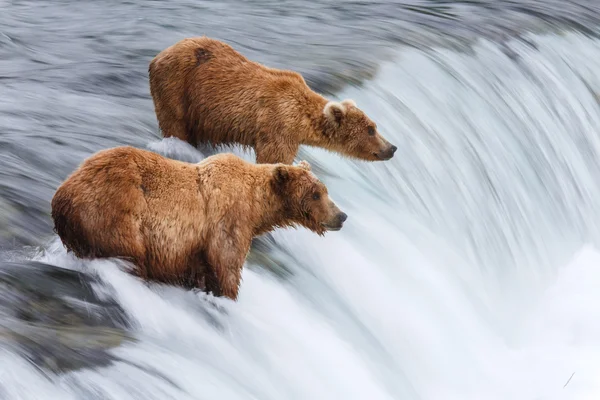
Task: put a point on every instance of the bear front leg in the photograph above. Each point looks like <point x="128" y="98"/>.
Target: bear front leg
<point x="177" y="128"/>
<point x="226" y="256"/>
<point x="274" y="152"/>
<point x="228" y="272"/>
<point x="211" y="283"/>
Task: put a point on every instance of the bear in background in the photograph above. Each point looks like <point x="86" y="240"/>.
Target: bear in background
<point x="182" y="223"/>
<point x="205" y="92"/>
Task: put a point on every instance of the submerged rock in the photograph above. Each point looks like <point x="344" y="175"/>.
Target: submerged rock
<point x="266" y="255"/>
<point x="53" y="317"/>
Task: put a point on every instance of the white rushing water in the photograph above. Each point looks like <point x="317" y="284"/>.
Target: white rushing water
<point x="468" y="268"/>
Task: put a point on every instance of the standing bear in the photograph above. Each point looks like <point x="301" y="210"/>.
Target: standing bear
<point x="182" y="223"/>
<point x="206" y="92"/>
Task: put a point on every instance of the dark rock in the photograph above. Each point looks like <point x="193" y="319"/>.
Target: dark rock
<point x="53" y="317"/>
<point x="267" y="256"/>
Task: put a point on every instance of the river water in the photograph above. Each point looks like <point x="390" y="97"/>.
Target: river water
<point x="469" y="266"/>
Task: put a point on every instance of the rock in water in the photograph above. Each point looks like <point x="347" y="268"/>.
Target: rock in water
<point x="53" y="317"/>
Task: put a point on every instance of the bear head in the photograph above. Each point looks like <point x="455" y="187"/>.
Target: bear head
<point x="305" y="200"/>
<point x="349" y="131"/>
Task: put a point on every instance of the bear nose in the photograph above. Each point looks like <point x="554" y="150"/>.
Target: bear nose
<point x="342" y="216"/>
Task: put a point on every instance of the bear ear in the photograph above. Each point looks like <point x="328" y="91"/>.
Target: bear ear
<point x="304" y="165"/>
<point x="281" y="175"/>
<point x="349" y="103"/>
<point x="334" y="111"/>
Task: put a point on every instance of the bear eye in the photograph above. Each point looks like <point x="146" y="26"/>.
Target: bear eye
<point x="316" y="196"/>
<point x="371" y="131"/>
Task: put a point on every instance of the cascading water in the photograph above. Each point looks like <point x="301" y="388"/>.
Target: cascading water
<point x="469" y="266"/>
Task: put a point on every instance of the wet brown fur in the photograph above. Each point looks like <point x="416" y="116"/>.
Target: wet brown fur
<point x="182" y="223"/>
<point x="206" y="92"/>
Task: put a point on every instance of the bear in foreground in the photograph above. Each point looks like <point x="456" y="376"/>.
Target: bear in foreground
<point x="182" y="223"/>
<point x="205" y="92"/>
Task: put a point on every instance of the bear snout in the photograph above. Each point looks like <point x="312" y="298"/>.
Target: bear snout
<point x="387" y="153"/>
<point x="337" y="222"/>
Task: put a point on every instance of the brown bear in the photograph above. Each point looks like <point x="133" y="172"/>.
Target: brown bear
<point x="182" y="223"/>
<point x="205" y="92"/>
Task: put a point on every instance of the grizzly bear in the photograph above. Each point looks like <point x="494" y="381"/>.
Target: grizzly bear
<point x="182" y="223"/>
<point x="205" y="92"/>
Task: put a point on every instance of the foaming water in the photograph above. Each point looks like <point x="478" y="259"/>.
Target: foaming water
<point x="468" y="267"/>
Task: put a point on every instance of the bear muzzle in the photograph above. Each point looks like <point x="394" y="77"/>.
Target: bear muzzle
<point x="337" y="222"/>
<point x="387" y="153"/>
